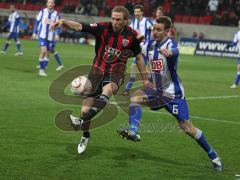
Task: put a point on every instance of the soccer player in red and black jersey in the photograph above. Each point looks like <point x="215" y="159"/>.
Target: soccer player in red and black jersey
<point x="115" y="43"/>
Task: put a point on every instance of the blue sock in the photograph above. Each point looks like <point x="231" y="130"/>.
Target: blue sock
<point x="45" y="63"/>
<point x="19" y="47"/>
<point x="41" y="63"/>
<point x="237" y="78"/>
<point x="57" y="58"/>
<point x="135" y="114"/>
<point x="130" y="83"/>
<point x="204" y="144"/>
<point x="6" y="46"/>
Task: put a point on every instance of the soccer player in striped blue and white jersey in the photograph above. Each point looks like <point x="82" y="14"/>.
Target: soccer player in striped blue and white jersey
<point x="13" y="23"/>
<point x="167" y="91"/>
<point x="47" y="38"/>
<point x="235" y="42"/>
<point x="143" y="27"/>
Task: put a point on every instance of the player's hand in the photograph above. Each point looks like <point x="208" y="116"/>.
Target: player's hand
<point x="34" y="36"/>
<point x="165" y="52"/>
<point x="57" y="24"/>
<point x="140" y="37"/>
<point x="148" y="84"/>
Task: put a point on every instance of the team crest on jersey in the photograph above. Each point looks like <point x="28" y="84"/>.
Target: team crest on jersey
<point x="125" y="42"/>
<point x="93" y="25"/>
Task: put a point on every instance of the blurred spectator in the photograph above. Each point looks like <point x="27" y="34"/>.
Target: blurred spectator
<point x="129" y="6"/>
<point x="201" y="36"/>
<point x="23" y="27"/>
<point x="217" y="12"/>
<point x="194" y="35"/>
<point x="80" y="9"/>
<point x="1" y="24"/>
<point x="213" y="6"/>
<point x="232" y="19"/>
<point x="69" y="7"/>
<point x="93" y="10"/>
<point x="108" y="10"/>
<point x="159" y="12"/>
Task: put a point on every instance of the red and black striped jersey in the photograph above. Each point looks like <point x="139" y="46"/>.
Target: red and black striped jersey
<point x="112" y="49"/>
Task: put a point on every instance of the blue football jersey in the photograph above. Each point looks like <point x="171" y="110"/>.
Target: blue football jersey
<point x="164" y="70"/>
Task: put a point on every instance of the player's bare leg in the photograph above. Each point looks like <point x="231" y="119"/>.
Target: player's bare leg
<point x="43" y="61"/>
<point x="91" y="106"/>
<point x="79" y="123"/>
<point x="7" y="44"/>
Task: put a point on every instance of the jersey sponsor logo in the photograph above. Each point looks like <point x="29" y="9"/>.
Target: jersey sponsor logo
<point x="112" y="53"/>
<point x="125" y="42"/>
<point x="157" y="65"/>
<point x="47" y="21"/>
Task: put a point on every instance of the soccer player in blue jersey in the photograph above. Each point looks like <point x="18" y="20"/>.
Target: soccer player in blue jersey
<point x="47" y="38"/>
<point x="13" y="23"/>
<point x="143" y="27"/>
<point x="167" y="91"/>
<point x="236" y="41"/>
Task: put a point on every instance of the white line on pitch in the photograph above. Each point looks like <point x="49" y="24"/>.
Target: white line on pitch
<point x="200" y="118"/>
<point x="197" y="98"/>
<point x="191" y="117"/>
<point x="213" y="97"/>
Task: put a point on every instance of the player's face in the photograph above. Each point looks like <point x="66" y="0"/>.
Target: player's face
<point x="117" y="21"/>
<point x="12" y="8"/>
<point x="159" y="33"/>
<point x="138" y="13"/>
<point x="159" y="13"/>
<point x="50" y="4"/>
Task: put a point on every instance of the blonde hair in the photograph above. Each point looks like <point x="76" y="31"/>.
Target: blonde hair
<point x="123" y="10"/>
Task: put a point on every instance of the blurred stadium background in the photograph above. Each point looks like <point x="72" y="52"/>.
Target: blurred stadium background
<point x="33" y="147"/>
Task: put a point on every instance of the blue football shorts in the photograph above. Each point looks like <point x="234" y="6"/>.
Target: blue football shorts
<point x="49" y="44"/>
<point x="12" y="35"/>
<point x="177" y="107"/>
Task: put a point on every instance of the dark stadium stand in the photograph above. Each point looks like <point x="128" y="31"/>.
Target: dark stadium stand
<point x="182" y="11"/>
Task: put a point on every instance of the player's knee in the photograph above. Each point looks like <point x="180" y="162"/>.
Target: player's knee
<point x="187" y="127"/>
<point x="110" y="89"/>
<point x="85" y="110"/>
<point x="43" y="52"/>
<point x="136" y="97"/>
<point x="114" y="88"/>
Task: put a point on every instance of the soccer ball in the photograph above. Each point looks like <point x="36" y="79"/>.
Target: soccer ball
<point x="80" y="85"/>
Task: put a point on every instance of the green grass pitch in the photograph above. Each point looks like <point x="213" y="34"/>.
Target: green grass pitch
<point x="33" y="147"/>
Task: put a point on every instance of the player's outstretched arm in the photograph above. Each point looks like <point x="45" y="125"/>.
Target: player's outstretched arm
<point x="165" y="52"/>
<point x="143" y="70"/>
<point x="68" y="24"/>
